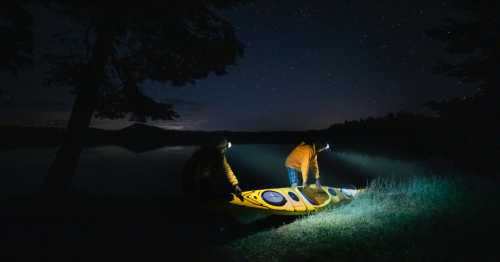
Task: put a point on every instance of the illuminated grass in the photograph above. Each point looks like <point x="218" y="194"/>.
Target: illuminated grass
<point x="414" y="219"/>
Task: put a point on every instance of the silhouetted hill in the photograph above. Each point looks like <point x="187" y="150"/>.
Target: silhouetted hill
<point x="140" y="137"/>
<point x="141" y="129"/>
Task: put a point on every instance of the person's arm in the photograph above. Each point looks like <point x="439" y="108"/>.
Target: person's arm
<point x="314" y="167"/>
<point x="230" y="174"/>
<point x="315" y="170"/>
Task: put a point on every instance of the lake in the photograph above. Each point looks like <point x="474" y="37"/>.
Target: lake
<point x="124" y="227"/>
<point x="116" y="170"/>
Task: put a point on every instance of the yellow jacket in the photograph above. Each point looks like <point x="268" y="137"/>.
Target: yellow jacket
<point x="302" y="158"/>
<point x="229" y="173"/>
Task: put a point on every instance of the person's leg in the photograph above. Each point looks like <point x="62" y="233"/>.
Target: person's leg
<point x="293" y="176"/>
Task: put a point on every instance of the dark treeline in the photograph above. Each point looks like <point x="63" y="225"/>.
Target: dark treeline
<point x="402" y="134"/>
<point x="469" y="146"/>
<point x="140" y="137"/>
<point x="470" y="35"/>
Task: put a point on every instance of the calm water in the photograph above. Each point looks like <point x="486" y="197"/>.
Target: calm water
<point x="124" y="228"/>
<point x="116" y="170"/>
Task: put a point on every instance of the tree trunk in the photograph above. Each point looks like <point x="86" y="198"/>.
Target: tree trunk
<point x="64" y="166"/>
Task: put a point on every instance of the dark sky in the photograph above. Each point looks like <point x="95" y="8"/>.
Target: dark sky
<point x="307" y="65"/>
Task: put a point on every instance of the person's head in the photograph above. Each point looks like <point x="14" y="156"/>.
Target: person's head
<point x="321" y="146"/>
<point x="220" y="143"/>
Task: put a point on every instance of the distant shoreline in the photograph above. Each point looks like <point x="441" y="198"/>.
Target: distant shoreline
<point x="142" y="137"/>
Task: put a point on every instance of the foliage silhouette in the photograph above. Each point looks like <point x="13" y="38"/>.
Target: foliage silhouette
<point x="123" y="44"/>
<point x="16" y="47"/>
<point x="471" y="35"/>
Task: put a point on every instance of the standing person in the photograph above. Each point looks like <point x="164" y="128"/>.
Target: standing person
<point x="301" y="159"/>
<point x="207" y="174"/>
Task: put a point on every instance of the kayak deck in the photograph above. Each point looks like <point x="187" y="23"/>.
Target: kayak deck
<point x="293" y="200"/>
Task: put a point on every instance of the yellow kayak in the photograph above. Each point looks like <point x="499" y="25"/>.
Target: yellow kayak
<point x="293" y="201"/>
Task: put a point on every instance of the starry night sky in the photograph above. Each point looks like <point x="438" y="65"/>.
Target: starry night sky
<point x="307" y="65"/>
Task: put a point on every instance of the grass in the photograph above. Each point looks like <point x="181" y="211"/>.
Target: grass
<point x="410" y="219"/>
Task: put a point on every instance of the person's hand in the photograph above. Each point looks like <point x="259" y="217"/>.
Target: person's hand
<point x="318" y="184"/>
<point x="237" y="190"/>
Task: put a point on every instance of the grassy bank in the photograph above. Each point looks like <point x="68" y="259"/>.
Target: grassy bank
<point x="412" y="219"/>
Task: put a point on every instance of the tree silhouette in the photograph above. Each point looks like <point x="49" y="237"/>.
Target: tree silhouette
<point x="120" y="45"/>
<point x="17" y="37"/>
<point x="472" y="37"/>
<point x="17" y="40"/>
<point x="472" y="123"/>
